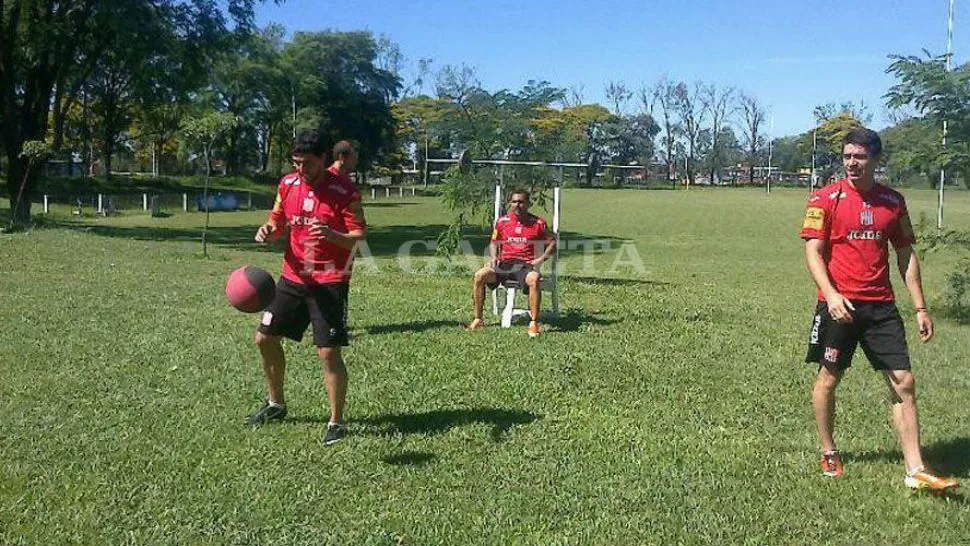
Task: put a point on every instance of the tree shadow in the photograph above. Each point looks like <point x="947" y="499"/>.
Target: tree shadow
<point x="441" y="421"/>
<point x="950" y="457"/>
<point x="416" y="326"/>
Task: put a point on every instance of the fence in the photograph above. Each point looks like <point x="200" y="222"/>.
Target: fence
<point x="108" y="204"/>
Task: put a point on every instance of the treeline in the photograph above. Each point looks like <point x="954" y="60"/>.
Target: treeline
<point x="174" y="85"/>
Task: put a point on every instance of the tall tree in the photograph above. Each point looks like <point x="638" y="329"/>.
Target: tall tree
<point x="663" y="94"/>
<point x="719" y="105"/>
<point x="753" y="116"/>
<point x="690" y="111"/>
<point x="618" y="95"/>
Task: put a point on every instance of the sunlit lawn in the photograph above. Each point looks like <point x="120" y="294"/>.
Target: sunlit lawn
<point x="668" y="403"/>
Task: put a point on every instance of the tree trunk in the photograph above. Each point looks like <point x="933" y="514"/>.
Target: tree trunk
<point x="18" y="188"/>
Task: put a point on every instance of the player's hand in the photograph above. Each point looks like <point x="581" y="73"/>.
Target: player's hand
<point x="264" y="232"/>
<point x="320" y="231"/>
<point x="840" y="309"/>
<point x="535" y="263"/>
<point x="491" y="264"/>
<point x="925" y="323"/>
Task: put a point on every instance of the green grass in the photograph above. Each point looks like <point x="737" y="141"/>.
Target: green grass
<point x="666" y="406"/>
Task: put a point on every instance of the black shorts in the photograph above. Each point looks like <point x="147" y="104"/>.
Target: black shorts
<point x="876" y="326"/>
<point x="511" y="270"/>
<point x="298" y="305"/>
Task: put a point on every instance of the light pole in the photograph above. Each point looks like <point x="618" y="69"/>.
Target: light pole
<point x="949" y="45"/>
<point x="814" y="147"/>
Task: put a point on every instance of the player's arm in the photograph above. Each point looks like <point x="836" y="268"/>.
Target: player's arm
<point x="353" y="215"/>
<point x="908" y="264"/>
<point x="494" y="247"/>
<point x="839" y="307"/>
<point x="549" y="243"/>
<point x="273" y="227"/>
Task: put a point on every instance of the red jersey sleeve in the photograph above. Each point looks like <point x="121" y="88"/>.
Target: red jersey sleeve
<point x="817" y="217"/>
<point x="277" y="216"/>
<point x="902" y="234"/>
<point x="353" y="213"/>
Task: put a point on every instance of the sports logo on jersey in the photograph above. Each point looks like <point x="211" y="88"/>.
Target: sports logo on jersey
<point x="814" y="198"/>
<point x="308" y="204"/>
<point x="814" y="218"/>
<point x="831" y="354"/>
<point x="867" y="218"/>
<point x="292" y="180"/>
<point x="518" y="230"/>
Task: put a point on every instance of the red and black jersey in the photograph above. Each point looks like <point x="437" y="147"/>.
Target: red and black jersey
<point x="519" y="239"/>
<point x="299" y="205"/>
<point x="858" y="228"/>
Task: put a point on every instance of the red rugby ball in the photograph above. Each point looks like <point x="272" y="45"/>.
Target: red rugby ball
<point x="250" y="289"/>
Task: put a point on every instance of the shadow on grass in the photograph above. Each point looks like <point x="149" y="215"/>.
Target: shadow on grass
<point x="409" y="458"/>
<point x="606" y="281"/>
<point x="441" y="421"/>
<point x="957" y="313"/>
<point x="416" y="326"/>
<point x="572" y="320"/>
<point x="949" y="457"/>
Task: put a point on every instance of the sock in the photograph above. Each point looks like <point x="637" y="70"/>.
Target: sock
<point x="275" y="404"/>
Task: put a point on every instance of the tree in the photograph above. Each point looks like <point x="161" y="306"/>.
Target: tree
<point x="205" y="131"/>
<point x="939" y="95"/>
<point x="753" y="115"/>
<point x="912" y="151"/>
<point x="41" y="42"/>
<point x="719" y="105"/>
<point x="688" y="107"/>
<point x="663" y="93"/>
<point x="618" y="95"/>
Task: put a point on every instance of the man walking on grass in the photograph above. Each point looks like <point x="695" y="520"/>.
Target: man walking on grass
<point x="847" y="230"/>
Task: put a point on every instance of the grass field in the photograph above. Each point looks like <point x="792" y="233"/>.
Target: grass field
<point x="667" y="405"/>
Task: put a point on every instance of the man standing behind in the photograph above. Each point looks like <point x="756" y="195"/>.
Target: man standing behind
<point x="514" y="251"/>
<point x="848" y="226"/>
<point x="325" y="220"/>
<point x="344" y="158"/>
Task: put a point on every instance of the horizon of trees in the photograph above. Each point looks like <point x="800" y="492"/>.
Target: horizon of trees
<point x="120" y="78"/>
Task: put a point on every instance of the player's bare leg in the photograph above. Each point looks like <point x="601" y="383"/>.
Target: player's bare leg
<point x="535" y="300"/>
<point x="483" y="276"/>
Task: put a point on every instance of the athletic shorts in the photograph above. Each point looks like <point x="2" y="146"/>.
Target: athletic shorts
<point x="298" y="305"/>
<point x="511" y="270"/>
<point x="876" y="326"/>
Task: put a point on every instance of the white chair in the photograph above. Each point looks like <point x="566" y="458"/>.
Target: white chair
<point x="548" y="284"/>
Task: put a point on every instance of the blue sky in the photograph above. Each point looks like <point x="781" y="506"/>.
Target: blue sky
<point x="791" y="54"/>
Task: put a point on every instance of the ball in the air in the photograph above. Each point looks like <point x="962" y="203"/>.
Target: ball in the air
<point x="250" y="289"/>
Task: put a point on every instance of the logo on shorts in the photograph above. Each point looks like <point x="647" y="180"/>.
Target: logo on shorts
<point x="815" y="326"/>
<point x="866" y="218"/>
<point x="831" y="354"/>
<point x="267" y="318"/>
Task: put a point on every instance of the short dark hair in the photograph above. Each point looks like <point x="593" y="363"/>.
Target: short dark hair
<point x="311" y="141"/>
<point x="343" y="149"/>
<point x="864" y="137"/>
<point x="521" y="191"/>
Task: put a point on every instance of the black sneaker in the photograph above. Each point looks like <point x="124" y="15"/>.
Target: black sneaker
<point x="266" y="414"/>
<point x="335" y="433"/>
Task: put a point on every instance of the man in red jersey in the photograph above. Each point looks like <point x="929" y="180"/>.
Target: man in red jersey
<point x="520" y="243"/>
<point x="344" y="158"/>
<point x="325" y="220"/>
<point x="847" y="230"/>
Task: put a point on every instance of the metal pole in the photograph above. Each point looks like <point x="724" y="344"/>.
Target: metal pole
<point x="426" y="158"/>
<point x="293" y="107"/>
<point x="814" y="146"/>
<point x="949" y="46"/>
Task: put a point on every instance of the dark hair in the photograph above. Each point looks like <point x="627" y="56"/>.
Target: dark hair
<point x="311" y="142"/>
<point x="342" y="149"/>
<point x="864" y="137"/>
<point x="521" y="191"/>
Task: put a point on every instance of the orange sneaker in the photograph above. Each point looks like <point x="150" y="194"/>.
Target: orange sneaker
<point x="534" y="329"/>
<point x="831" y="464"/>
<point x="476" y="324"/>
<point x="923" y="478"/>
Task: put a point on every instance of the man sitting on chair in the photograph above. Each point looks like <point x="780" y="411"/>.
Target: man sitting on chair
<point x="515" y="256"/>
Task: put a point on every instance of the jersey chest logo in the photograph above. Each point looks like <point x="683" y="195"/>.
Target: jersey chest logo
<point x="867" y="218"/>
